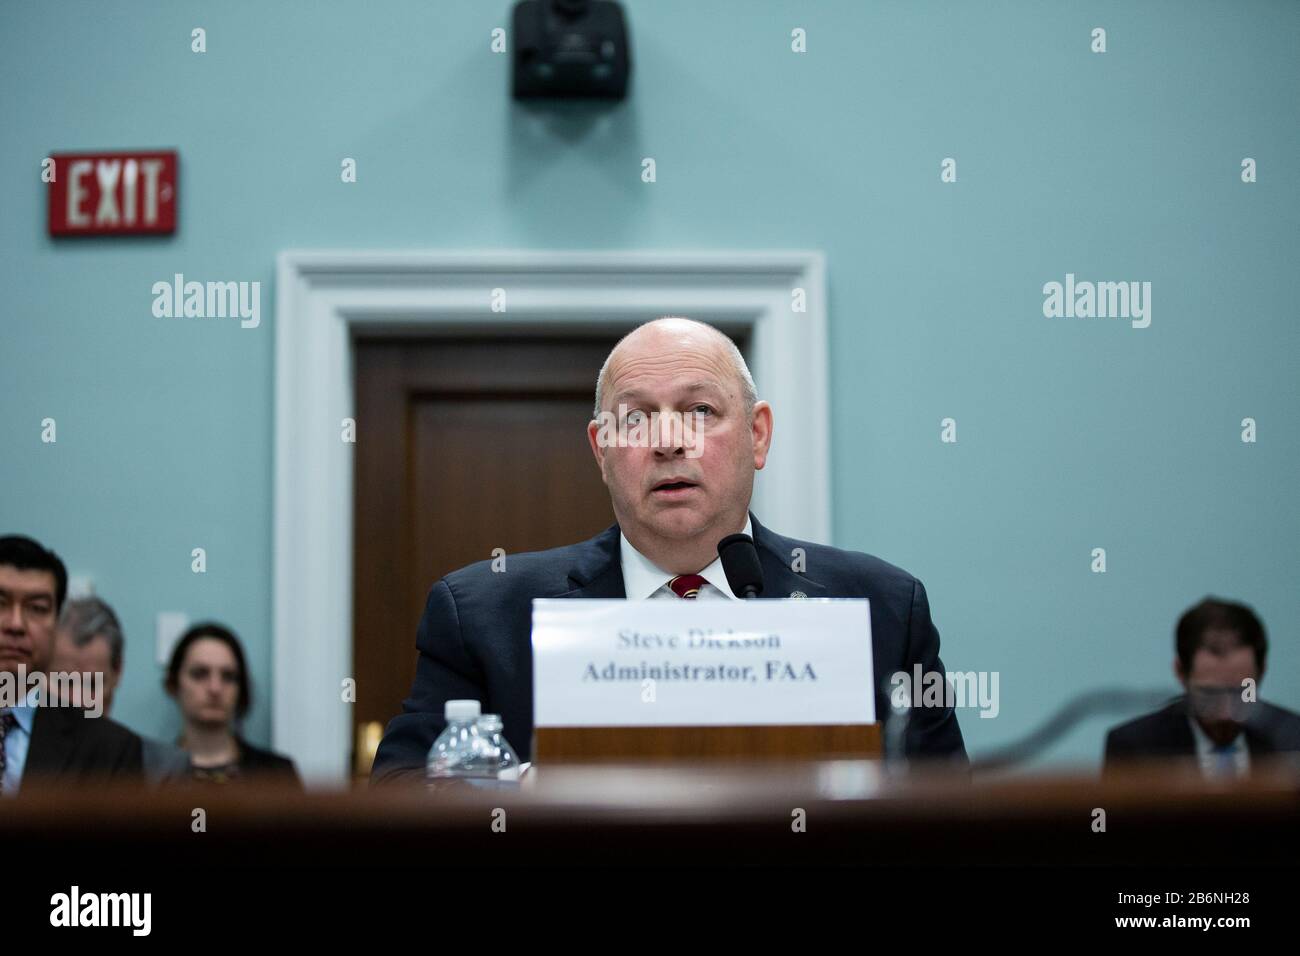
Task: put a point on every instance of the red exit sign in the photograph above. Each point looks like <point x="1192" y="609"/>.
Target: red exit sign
<point x="112" y="194"/>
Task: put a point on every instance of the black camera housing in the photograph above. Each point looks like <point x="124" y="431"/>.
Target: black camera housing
<point x="570" y="49"/>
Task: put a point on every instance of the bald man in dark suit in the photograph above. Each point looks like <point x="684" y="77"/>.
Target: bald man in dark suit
<point x="674" y="500"/>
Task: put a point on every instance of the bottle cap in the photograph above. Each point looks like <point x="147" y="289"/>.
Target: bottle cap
<point x="461" y="710"/>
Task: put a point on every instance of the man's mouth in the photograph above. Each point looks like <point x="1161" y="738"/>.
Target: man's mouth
<point x="673" y="487"/>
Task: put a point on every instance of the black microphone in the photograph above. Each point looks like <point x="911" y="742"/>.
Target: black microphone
<point x="740" y="563"/>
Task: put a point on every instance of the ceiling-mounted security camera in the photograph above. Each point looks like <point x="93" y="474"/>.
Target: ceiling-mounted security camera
<point x="570" y="49"/>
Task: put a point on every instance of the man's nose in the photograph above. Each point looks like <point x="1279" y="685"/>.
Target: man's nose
<point x="668" y="438"/>
<point x="12" y="619"/>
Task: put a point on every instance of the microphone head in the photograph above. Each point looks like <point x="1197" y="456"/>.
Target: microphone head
<point x="741" y="565"/>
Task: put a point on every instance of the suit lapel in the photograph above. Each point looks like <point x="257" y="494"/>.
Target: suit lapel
<point x="1177" y="732"/>
<point x="598" y="572"/>
<point x="50" y="749"/>
<point x="776" y="554"/>
<point x="1258" y="743"/>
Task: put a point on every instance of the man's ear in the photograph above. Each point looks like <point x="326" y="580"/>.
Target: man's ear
<point x="1178" y="672"/>
<point x="762" y="433"/>
<point x="593" y="430"/>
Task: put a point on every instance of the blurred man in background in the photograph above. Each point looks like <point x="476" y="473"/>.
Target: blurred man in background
<point x="88" y="640"/>
<point x="1220" y="721"/>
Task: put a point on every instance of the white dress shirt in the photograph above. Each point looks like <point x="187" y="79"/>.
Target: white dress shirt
<point x="642" y="578"/>
<point x="1232" y="761"/>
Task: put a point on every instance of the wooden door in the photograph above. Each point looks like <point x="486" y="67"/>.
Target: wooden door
<point x="463" y="446"/>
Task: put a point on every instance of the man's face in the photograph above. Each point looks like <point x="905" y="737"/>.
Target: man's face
<point x="681" y="489"/>
<point x="1215" y="685"/>
<point x="93" y="657"/>
<point x="27" y="617"/>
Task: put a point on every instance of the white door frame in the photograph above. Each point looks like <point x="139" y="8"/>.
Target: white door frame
<point x="324" y="297"/>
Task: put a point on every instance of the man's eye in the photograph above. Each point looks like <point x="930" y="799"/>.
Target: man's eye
<point x="635" y="416"/>
<point x="703" y="408"/>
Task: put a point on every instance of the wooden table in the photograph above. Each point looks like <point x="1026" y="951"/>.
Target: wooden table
<point x="852" y="811"/>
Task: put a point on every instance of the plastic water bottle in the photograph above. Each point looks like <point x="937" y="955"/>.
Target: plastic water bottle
<point x="507" y="761"/>
<point x="471" y="748"/>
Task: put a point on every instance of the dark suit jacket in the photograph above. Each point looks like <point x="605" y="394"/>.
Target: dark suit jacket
<point x="67" y="747"/>
<point x="1166" y="733"/>
<point x="254" y="765"/>
<point x="475" y="636"/>
<point x="266" y="764"/>
<point x="164" y="763"/>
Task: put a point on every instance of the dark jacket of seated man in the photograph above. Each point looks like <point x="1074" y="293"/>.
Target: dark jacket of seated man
<point x="474" y="638"/>
<point x="1269" y="730"/>
<point x="67" y="747"/>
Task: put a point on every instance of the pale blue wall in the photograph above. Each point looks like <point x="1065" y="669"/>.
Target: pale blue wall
<point x="1072" y="433"/>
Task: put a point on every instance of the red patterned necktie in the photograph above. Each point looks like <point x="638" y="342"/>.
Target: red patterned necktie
<point x="687" y="585"/>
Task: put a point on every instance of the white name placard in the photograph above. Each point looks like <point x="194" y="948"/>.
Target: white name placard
<point x="617" y="663"/>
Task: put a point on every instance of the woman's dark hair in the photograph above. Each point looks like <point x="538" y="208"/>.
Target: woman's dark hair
<point x="1213" y="614"/>
<point x="211" y="631"/>
<point x="21" y="552"/>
